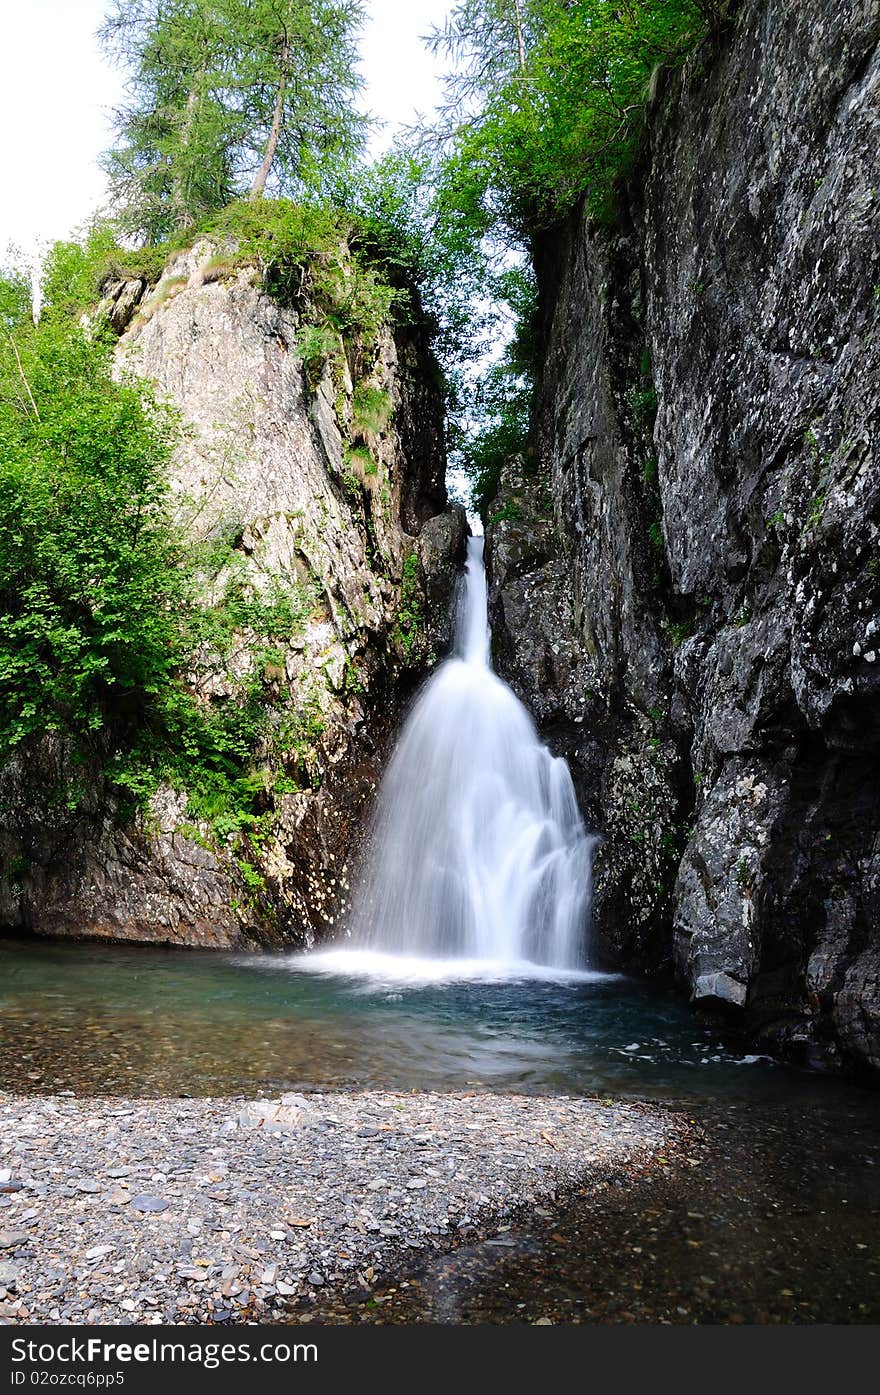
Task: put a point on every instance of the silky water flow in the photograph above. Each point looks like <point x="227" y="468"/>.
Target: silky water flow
<point x="477" y="849"/>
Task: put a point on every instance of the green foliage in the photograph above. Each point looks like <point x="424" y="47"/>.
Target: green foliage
<point x="88" y="585"/>
<point x="362" y="459"/>
<point x="644" y="403"/>
<point x="15" y="300"/>
<point x="279" y="235"/>
<point x="680" y="630"/>
<point x="817" y="508"/>
<point x="308" y="256"/>
<point x="75" y="273"/>
<point x="103" y="621"/>
<point x="16" y="870"/>
<point x="546" y="99"/>
<point x="387" y="201"/>
<point x="409" y="628"/>
<point x="509" y="512"/>
<point x="493" y="420"/>
<point x="226" y="97"/>
<point x="317" y="345"/>
<point x="371" y="410"/>
<point x="545" y="103"/>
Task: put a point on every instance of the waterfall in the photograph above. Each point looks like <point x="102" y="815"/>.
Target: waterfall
<point x="477" y="847"/>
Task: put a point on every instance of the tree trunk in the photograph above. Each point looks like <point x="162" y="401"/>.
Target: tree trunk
<point x="258" y="188"/>
<point x="183" y="217"/>
<point x="519" y="35"/>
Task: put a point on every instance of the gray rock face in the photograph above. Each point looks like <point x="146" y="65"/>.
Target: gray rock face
<point x="697" y="626"/>
<point x="263" y="460"/>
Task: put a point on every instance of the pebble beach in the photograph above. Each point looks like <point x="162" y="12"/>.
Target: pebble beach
<point x="224" y="1210"/>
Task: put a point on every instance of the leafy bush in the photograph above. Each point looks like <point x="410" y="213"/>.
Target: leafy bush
<point x="102" y="612"/>
<point x="317" y="345"/>
<point x="75" y="273"/>
<point x="409" y="629"/>
<point x="88" y="585"/>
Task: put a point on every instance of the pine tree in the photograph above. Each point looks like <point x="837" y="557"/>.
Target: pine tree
<point x="173" y="159"/>
<point x="227" y="97"/>
<point x="296" y="80"/>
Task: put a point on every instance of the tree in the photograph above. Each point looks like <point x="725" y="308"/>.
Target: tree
<point x="89" y="594"/>
<point x="294" y="87"/>
<point x="172" y="162"/>
<point x="545" y="99"/>
<point x="227" y="97"/>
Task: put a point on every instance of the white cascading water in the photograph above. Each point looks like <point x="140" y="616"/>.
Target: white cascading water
<point x="478" y="849"/>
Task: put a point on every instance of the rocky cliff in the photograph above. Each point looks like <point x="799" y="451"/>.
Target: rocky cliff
<point x="685" y="583"/>
<point x="324" y="475"/>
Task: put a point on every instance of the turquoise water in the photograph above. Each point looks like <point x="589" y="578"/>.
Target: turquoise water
<point x="136" y="1020"/>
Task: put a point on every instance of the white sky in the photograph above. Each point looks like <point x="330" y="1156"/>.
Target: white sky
<point x="57" y="94"/>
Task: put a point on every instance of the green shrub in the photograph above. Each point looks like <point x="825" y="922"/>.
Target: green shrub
<point x="103" y="621"/>
<point x="553" y="97"/>
<point x="88" y="582"/>
<point x="317" y="345"/>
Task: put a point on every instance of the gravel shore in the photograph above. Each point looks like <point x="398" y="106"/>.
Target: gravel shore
<point x="207" y="1210"/>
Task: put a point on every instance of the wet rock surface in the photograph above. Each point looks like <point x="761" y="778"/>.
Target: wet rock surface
<point x="220" y="1210"/>
<point x="694" y="620"/>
